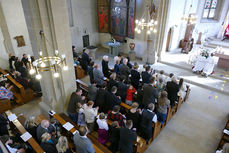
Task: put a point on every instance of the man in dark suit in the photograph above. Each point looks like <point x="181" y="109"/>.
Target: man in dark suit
<point x="82" y="143"/>
<point x="124" y="69"/>
<point x="146" y="75"/>
<point x="112" y="99"/>
<point x="172" y="89"/>
<point x="85" y="61"/>
<point x="122" y="88"/>
<point x="105" y="66"/>
<point x="147" y="118"/>
<point x="150" y="93"/>
<point x="72" y="105"/>
<point x="24" y="59"/>
<point x="127" y="137"/>
<point x="42" y="128"/>
<point x="101" y="98"/>
<point x="135" y="76"/>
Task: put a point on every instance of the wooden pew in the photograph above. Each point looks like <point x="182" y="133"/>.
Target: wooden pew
<point x="225" y="137"/>
<point x="3" y="147"/>
<point x="22" y="130"/>
<point x="5" y="105"/>
<point x="22" y="95"/>
<point x="99" y="148"/>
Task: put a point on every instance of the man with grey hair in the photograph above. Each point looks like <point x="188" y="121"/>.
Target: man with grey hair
<point x="98" y="75"/>
<point x="42" y="128"/>
<point x="124" y="69"/>
<point x="172" y="89"/>
<point x="105" y="66"/>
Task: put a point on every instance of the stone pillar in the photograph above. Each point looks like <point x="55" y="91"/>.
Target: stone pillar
<point x="51" y="17"/>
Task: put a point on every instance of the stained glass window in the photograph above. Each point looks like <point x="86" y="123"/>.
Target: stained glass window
<point x="209" y="9"/>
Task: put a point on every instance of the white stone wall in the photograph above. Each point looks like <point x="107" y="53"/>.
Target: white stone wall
<point x="16" y="24"/>
<point x="3" y="53"/>
<point x="84" y="14"/>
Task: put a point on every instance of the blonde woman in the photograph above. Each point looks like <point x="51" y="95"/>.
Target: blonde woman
<point x="163" y="104"/>
<point x="47" y="144"/>
<point x="62" y="145"/>
<point x="31" y="126"/>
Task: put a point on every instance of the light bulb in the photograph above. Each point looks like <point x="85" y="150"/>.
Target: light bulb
<point x="148" y="32"/>
<point x="155" y="30"/>
<point x="32" y="71"/>
<point x="65" y="68"/>
<point x="139" y="31"/>
<point x="152" y="21"/>
<point x="38" y="76"/>
<point x="155" y="22"/>
<point x="56" y="52"/>
<point x="151" y="29"/>
<point x="136" y="29"/>
<point x="136" y="21"/>
<point x="43" y="64"/>
<point x="143" y="20"/>
<point x="56" y="75"/>
<point x="63" y="56"/>
<point x="40" y="53"/>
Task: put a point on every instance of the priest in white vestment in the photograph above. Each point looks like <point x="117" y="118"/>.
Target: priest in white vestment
<point x="200" y="63"/>
<point x="209" y="66"/>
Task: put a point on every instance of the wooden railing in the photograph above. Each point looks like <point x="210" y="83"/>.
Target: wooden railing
<point x="22" y="95"/>
<point x="225" y="137"/>
<point x="36" y="147"/>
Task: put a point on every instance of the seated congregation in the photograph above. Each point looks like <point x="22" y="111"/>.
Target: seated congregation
<point x="16" y="85"/>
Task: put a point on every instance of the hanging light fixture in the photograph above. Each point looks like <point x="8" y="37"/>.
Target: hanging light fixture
<point x="48" y="63"/>
<point x="190" y="17"/>
<point x="146" y="22"/>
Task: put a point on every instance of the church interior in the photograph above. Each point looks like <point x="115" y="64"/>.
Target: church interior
<point x="108" y="76"/>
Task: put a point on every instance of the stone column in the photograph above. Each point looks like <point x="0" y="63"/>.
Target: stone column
<point x="51" y="17"/>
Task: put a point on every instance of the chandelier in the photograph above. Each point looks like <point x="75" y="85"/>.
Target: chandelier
<point x="190" y="18"/>
<point x="47" y="63"/>
<point x="146" y="22"/>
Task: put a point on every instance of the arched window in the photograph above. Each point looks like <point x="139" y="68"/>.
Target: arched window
<point x="210" y="9"/>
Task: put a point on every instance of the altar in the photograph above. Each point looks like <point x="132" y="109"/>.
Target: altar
<point x="223" y="61"/>
<point x="113" y="47"/>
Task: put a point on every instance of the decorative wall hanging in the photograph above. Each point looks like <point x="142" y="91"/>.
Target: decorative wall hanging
<point x="131" y="18"/>
<point x="20" y="41"/>
<point x="103" y="16"/>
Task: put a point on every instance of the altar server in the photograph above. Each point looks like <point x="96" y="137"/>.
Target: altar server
<point x="200" y="63"/>
<point x="209" y="66"/>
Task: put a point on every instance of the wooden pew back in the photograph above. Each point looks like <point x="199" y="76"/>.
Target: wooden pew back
<point x="22" y="130"/>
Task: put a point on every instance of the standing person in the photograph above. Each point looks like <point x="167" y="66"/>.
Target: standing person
<point x="134" y="115"/>
<point x="90" y="71"/>
<point x="92" y="91"/>
<point x="148" y="117"/>
<point x="42" y="128"/>
<point x="117" y="65"/>
<point x="172" y="89"/>
<point x="103" y="128"/>
<point x="146" y="75"/>
<point x="160" y="86"/>
<point x="115" y="115"/>
<point x="150" y="93"/>
<point x="112" y="99"/>
<point x="105" y="66"/>
<point x="200" y="63"/>
<point x="74" y="52"/>
<point x="24" y="59"/>
<point x="124" y="69"/>
<point x="72" y="105"/>
<point x="122" y="88"/>
<point x="129" y="95"/>
<point x="90" y="114"/>
<point x="22" y="70"/>
<point x="163" y="105"/>
<point x="209" y="67"/>
<point x="98" y="75"/>
<point x="112" y="81"/>
<point x="101" y="97"/>
<point x="128" y="63"/>
<point x="62" y="145"/>
<point x="3" y="126"/>
<point x="85" y="61"/>
<point x="47" y="144"/>
<point x="135" y="76"/>
<point x="11" y="61"/>
<point x="114" y="137"/>
<point x="31" y="126"/>
<point x="127" y="137"/>
<point x="82" y="143"/>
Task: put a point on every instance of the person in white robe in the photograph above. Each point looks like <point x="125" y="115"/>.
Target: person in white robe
<point x="200" y="64"/>
<point x="209" y="66"/>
